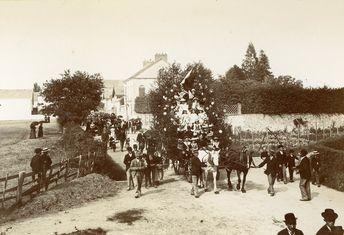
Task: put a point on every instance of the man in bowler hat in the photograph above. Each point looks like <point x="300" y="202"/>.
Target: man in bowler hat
<point x="329" y="228"/>
<point x="290" y="222"/>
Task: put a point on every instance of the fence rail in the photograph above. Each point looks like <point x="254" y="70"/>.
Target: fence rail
<point x="26" y="184"/>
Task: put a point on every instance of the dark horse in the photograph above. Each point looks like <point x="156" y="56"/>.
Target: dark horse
<point x="240" y="161"/>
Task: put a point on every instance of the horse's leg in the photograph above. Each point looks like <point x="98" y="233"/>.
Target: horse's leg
<point x="230" y="187"/>
<point x="244" y="181"/>
<point x="205" y="180"/>
<point x="239" y="179"/>
<point x="215" y="182"/>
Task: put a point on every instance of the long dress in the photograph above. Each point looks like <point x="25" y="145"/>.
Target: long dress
<point x="33" y="133"/>
<point x="40" y="131"/>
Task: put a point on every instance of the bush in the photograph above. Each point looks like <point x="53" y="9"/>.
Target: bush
<point x="332" y="163"/>
<point x="335" y="143"/>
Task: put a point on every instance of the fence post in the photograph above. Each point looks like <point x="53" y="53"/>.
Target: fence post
<point x="20" y="187"/>
<point x="47" y="180"/>
<point x="4" y="192"/>
<point x="316" y="131"/>
<point x="78" y="174"/>
<point x="58" y="173"/>
<point x="67" y="170"/>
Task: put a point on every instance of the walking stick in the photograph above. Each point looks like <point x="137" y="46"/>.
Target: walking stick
<point x="274" y="136"/>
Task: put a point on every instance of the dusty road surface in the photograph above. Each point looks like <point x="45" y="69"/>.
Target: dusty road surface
<point x="170" y="209"/>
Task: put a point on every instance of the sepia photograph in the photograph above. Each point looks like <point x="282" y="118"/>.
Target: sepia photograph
<point x="171" y="117"/>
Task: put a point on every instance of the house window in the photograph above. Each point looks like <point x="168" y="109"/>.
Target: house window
<point x="142" y="91"/>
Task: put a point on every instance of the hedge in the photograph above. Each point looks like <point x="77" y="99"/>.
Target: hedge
<point x="332" y="163"/>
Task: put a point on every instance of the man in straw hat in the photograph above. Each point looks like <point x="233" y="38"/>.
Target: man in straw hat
<point x="290" y="222"/>
<point x="329" y="228"/>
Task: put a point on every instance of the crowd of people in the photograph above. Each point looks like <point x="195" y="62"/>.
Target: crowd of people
<point x="307" y="164"/>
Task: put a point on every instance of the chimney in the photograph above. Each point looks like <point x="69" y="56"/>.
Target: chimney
<point x="161" y="56"/>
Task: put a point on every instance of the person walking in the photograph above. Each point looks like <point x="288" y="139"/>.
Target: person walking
<point x="196" y="171"/>
<point x="127" y="161"/>
<point x="272" y="168"/>
<point x="121" y="136"/>
<point x="305" y="176"/>
<point x="147" y="170"/>
<point x="329" y="228"/>
<point x="137" y="167"/>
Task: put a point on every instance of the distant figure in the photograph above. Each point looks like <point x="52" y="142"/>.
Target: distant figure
<point x="291" y="165"/>
<point x="290" y="222"/>
<point x="315" y="163"/>
<point x="40" y="130"/>
<point x="272" y="169"/>
<point x="36" y="165"/>
<point x="33" y="130"/>
<point x="196" y="172"/>
<point x="329" y="228"/>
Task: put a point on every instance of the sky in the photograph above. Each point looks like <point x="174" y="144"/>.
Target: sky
<point x="39" y="39"/>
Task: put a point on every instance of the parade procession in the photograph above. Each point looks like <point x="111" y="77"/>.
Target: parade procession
<point x="171" y="117"/>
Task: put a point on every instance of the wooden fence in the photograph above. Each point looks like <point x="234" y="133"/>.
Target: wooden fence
<point x="16" y="187"/>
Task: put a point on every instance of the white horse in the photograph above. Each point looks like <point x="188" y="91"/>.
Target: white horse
<point x="211" y="160"/>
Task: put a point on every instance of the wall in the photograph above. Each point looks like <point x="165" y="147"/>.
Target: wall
<point x="259" y="122"/>
<point x="17" y="109"/>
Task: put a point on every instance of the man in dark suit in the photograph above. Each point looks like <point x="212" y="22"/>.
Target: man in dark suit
<point x="291" y="165"/>
<point x="127" y="161"/>
<point x="290" y="222"/>
<point x="305" y="176"/>
<point x="282" y="159"/>
<point x="329" y="228"/>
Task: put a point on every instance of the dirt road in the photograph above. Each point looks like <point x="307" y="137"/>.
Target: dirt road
<point x="170" y="209"/>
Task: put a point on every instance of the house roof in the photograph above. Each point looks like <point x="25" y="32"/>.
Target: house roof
<point x="16" y="93"/>
<point x="149" y="71"/>
<point x="114" y="84"/>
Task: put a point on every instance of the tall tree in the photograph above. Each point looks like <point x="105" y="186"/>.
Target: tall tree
<point x="249" y="65"/>
<point x="73" y="96"/>
<point x="235" y="73"/>
<point x="263" y="72"/>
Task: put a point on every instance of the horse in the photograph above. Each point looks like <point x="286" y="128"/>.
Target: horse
<point x="238" y="161"/>
<point x="211" y="164"/>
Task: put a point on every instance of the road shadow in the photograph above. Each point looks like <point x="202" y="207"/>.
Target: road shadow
<point x="153" y="191"/>
<point x="166" y="181"/>
<point x="128" y="216"/>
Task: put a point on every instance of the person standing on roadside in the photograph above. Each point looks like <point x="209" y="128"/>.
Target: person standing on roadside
<point x="315" y="163"/>
<point x="36" y="165"/>
<point x="46" y="163"/>
<point x="305" y="176"/>
<point x="127" y="161"/>
<point x="291" y="164"/>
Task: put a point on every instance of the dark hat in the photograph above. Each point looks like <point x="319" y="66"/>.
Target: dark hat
<point x="329" y="215"/>
<point x="129" y="149"/>
<point x="38" y="150"/>
<point x="280" y="146"/>
<point x="303" y="152"/>
<point x="289" y="218"/>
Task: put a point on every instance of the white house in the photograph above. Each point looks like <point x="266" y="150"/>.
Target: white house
<point x="112" y="99"/>
<point x="16" y="104"/>
<point x="141" y="82"/>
